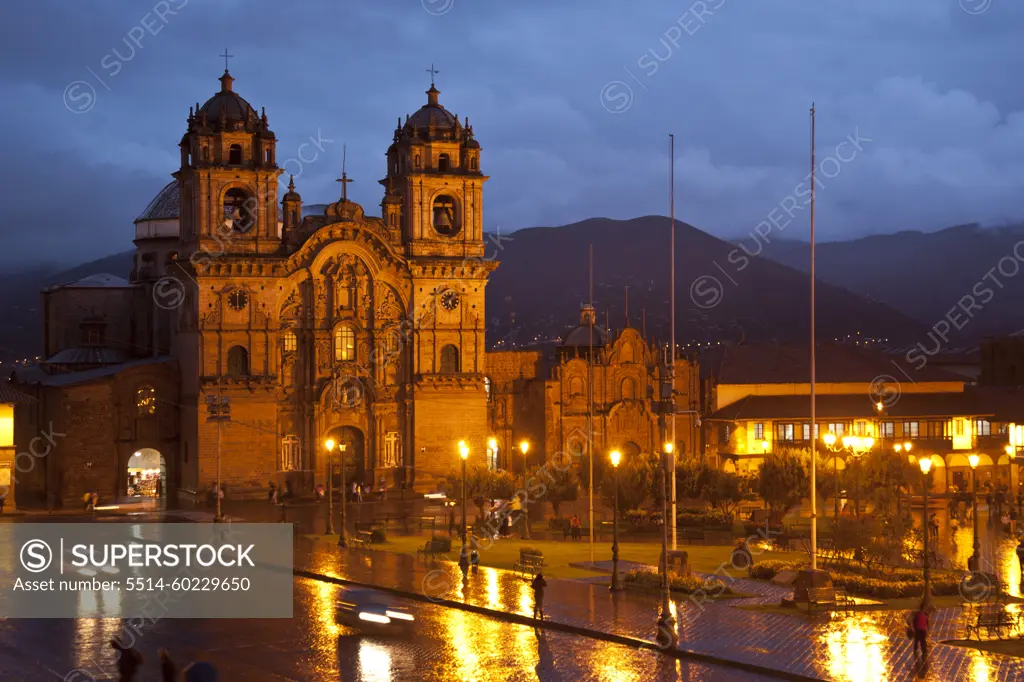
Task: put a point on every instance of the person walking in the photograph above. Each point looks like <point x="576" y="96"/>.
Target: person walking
<point x="94" y="501"/>
<point x="574" y="527"/>
<point x="538" y="586"/>
<point x="382" y="490"/>
<point x="168" y="671"/>
<point x="919" y="624"/>
<point x="128" y="663"/>
<point x="86" y="500"/>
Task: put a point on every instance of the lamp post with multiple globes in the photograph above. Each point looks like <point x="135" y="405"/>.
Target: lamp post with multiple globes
<point x="666" y="630"/>
<point x="616" y="457"/>
<point x="855" y="446"/>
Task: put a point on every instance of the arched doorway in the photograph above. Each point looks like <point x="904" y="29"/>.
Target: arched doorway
<point x="147" y="475"/>
<point x="353" y="454"/>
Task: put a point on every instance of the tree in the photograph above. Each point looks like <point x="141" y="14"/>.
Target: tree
<point x="501" y="485"/>
<point x="782" y="481"/>
<point x="636" y="476"/>
<point x="560" y="485"/>
<point x="722" y="489"/>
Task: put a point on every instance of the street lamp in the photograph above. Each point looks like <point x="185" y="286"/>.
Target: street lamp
<point x="329" y="444"/>
<point x="926" y="465"/>
<point x="764" y="447"/>
<point x="666" y="623"/>
<point x="464" y="454"/>
<point x="974" y="561"/>
<point x="524" y="447"/>
<point x="616" y="457"/>
<point x="855" y="446"/>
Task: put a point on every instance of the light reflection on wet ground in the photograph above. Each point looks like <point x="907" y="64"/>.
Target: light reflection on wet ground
<point x="449" y="645"/>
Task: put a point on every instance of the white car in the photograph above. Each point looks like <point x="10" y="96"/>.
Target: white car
<point x="371" y="610"/>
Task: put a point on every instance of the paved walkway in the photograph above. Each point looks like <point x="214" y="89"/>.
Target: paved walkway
<point x="863" y="646"/>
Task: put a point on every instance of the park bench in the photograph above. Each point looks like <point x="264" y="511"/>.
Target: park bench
<point x="528" y="563"/>
<point x="692" y="534"/>
<point x="435" y="547"/>
<point x="362" y="539"/>
<point x="843" y="600"/>
<point x="426" y="523"/>
<point x="821" y="596"/>
<point x="992" y="620"/>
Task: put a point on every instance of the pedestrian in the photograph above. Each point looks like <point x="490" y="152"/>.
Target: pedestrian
<point x="1013" y="521"/>
<point x="272" y="493"/>
<point x="355" y="491"/>
<point x="538" y="586"/>
<point x="382" y="490"/>
<point x="574" y="527"/>
<point x="95" y="500"/>
<point x="933" y="525"/>
<point x="1020" y="558"/>
<point x="451" y="521"/>
<point x="919" y="624"/>
<point x="3" y="501"/>
<point x="168" y="671"/>
<point x="87" y="500"/>
<point x="128" y="662"/>
<point x="464" y="562"/>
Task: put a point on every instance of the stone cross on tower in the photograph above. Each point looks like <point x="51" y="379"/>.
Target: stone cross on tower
<point x="226" y="57"/>
<point x="344" y="179"/>
<point x="432" y="71"/>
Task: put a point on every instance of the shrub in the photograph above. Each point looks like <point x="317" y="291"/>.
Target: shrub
<point x="687" y="584"/>
<point x="902" y="583"/>
<point x="769" y="568"/>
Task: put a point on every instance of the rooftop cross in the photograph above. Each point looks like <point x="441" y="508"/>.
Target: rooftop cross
<point x="432" y="71"/>
<point x="226" y="57"/>
<point x="344" y="179"/>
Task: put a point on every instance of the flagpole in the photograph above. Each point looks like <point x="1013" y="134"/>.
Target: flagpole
<point x="590" y="402"/>
<point x="814" y="423"/>
<point x="672" y="324"/>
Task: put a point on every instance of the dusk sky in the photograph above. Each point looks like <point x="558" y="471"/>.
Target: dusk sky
<point x="572" y="101"/>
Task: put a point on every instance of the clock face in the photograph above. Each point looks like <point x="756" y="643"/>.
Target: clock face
<point x="238" y="299"/>
<point x="450" y="300"/>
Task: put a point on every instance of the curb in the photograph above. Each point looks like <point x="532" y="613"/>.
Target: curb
<point x="565" y="627"/>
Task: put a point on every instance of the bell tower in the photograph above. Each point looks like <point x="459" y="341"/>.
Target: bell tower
<point x="228" y="177"/>
<point x="434" y="186"/>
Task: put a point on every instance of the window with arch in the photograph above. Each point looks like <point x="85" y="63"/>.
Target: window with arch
<point x="449" y="359"/>
<point x="575" y="387"/>
<point x="291" y="343"/>
<point x="394" y="220"/>
<point x="472" y="164"/>
<point x="628" y="388"/>
<point x="235" y="154"/>
<point x="444" y="163"/>
<point x="238" y="362"/>
<point x="145" y="400"/>
<point x="416" y="161"/>
<point x="487" y="388"/>
<point x="239" y="213"/>
<point x="344" y="344"/>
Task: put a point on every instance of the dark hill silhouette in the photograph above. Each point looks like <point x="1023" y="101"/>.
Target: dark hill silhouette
<point x="926" y="274"/>
<point x="535" y="293"/>
<point x="542" y="279"/>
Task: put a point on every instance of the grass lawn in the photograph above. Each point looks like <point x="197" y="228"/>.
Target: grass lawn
<point x="1006" y="647"/>
<point x="558" y="554"/>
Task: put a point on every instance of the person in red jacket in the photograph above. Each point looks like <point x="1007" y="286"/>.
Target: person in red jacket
<point x="919" y="623"/>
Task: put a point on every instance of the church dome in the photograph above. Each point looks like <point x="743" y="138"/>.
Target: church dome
<point x="228" y="106"/>
<point x="432" y="115"/>
<point x="166" y="205"/>
<point x="579" y="337"/>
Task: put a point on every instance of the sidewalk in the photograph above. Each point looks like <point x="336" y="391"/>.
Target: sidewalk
<point x="863" y="646"/>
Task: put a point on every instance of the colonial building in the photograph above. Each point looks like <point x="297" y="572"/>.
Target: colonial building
<point x="367" y="330"/>
<point x="761" y="404"/>
<point x="544" y="397"/>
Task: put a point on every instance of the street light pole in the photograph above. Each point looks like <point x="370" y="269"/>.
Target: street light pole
<point x="464" y="454"/>
<point x="344" y="498"/>
<point x="329" y="444"/>
<point x="524" y="446"/>
<point x="218" y="408"/>
<point x="616" y="457"/>
<point x="975" y="561"/>
<point x="926" y="464"/>
<point x="666" y="623"/>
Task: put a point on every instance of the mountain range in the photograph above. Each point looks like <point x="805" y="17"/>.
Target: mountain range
<point x="723" y="295"/>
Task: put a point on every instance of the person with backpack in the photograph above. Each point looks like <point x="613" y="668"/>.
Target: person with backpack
<point x="538" y="586"/>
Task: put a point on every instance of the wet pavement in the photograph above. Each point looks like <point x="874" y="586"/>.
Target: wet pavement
<point x="449" y="645"/>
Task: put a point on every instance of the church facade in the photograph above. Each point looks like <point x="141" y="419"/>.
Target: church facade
<point x="308" y="326"/>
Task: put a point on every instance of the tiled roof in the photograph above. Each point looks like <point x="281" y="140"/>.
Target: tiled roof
<point x="10" y="396"/>
<point x="101" y="280"/>
<point x="87" y="355"/>
<point x="998" y="405"/>
<point x="835" y="363"/>
<point x="166" y="205"/>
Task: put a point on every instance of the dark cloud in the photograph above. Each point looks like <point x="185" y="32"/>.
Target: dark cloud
<point x="926" y="83"/>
